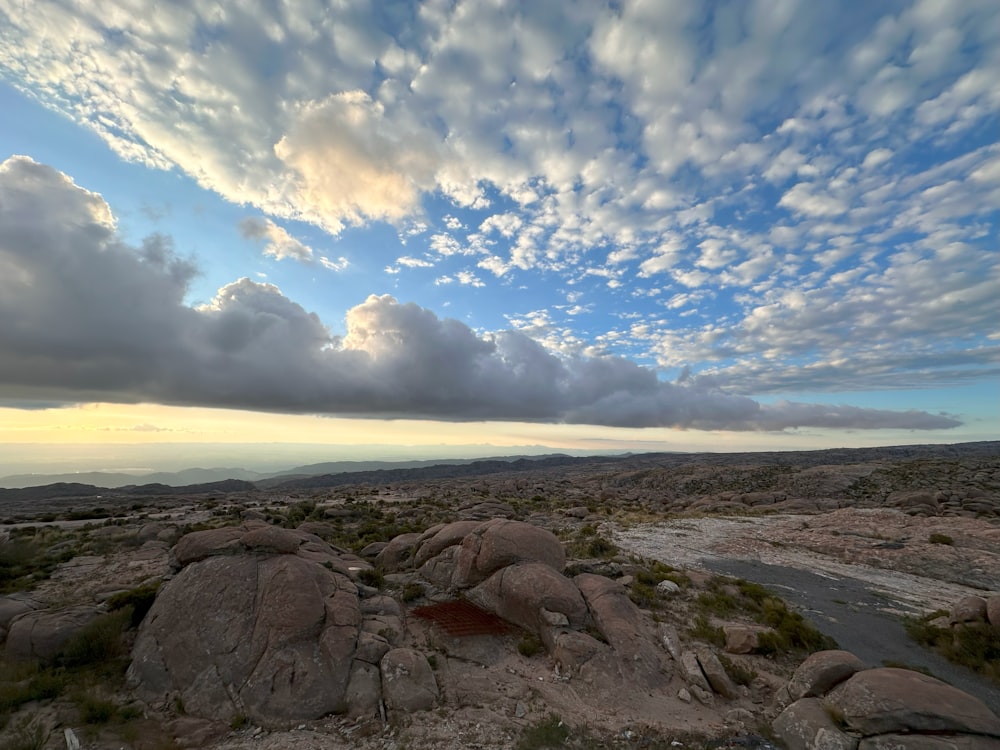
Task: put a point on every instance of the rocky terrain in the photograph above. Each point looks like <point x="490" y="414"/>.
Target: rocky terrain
<point x="563" y="602"/>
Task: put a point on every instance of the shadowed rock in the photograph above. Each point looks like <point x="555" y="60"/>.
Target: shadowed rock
<point x="42" y="634"/>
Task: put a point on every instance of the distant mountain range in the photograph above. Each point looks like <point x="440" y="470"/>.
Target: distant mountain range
<point x="198" y="476"/>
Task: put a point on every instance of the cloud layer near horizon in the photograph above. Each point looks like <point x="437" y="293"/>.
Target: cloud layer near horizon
<point x="88" y="317"/>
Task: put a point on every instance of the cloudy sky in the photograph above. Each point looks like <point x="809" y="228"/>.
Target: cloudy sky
<point x="663" y="223"/>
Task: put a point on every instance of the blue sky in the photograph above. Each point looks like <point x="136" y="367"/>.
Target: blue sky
<point x="763" y="224"/>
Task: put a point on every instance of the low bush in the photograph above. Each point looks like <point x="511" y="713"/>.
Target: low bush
<point x="95" y="710"/>
<point x="371" y="577"/>
<point x="99" y="643"/>
<point x="791" y="631"/>
<point x="529" y="645"/>
<point x="937" y="538"/>
<point x="140" y="600"/>
<point x="703" y="630"/>
<point x="549" y="732"/>
<point x="974" y="645"/>
<point x="738" y="672"/>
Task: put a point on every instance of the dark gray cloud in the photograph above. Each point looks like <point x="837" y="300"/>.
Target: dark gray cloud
<point x="84" y="316"/>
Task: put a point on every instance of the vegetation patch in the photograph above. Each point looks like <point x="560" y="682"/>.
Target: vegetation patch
<point x="372" y="577"/>
<point x="29" y="556"/>
<point x="937" y="538"/>
<point x="529" y="645"/>
<point x="791" y="632"/>
<point x="703" y="630"/>
<point x="587" y="543"/>
<point x="737" y="671"/>
<point x="549" y="732"/>
<point x="139" y="599"/>
<point x="974" y="645"/>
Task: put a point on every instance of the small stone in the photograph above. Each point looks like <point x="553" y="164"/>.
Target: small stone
<point x="667" y="588"/>
<point x="684" y="695"/>
<point x="520" y="710"/>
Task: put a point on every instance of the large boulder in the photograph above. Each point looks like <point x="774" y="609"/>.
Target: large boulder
<point x="626" y="630"/>
<point x="398" y="553"/>
<point x="408" y="682"/>
<point x="807" y="725"/>
<point x="533" y="596"/>
<point x="993" y="610"/>
<point x="42" y="634"/>
<point x="201" y="544"/>
<point x="9" y="609"/>
<point x="501" y="542"/>
<point x="270" y="637"/>
<point x="822" y="671"/>
<point x="438" y="538"/>
<point x="885" y="700"/>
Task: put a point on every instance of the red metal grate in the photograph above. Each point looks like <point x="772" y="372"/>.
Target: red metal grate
<point x="460" y="618"/>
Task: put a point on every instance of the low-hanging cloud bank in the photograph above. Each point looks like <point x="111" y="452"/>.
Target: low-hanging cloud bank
<point x="84" y="316"/>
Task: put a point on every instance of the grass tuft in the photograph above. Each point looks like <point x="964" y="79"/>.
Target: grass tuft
<point x="549" y="732"/>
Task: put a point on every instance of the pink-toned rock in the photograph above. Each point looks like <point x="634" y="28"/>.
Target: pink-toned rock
<point x="885" y="700"/>
<point x="398" y="553"/>
<point x="364" y="690"/>
<point x="370" y="551"/>
<point x="274" y="538"/>
<point x="821" y="672"/>
<point x="42" y="634"/>
<point x="500" y="542"/>
<point x="201" y="544"/>
<point x="408" y="682"/>
<point x="968" y="609"/>
<point x="572" y="649"/>
<point x="524" y="593"/>
<point x="270" y="637"/>
<point x="625" y="629"/>
<point x="443" y="537"/>
<point x="993" y="610"/>
<point x="741" y="639"/>
<point x="806" y="725"/>
<point x="716" y="674"/>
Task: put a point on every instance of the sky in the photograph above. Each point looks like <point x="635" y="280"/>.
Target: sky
<point x="669" y="225"/>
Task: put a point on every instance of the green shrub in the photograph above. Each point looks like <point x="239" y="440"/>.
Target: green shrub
<point x="411" y="592"/>
<point x="550" y="732"/>
<point x="791" y="631"/>
<point x="601" y="547"/>
<point x="140" y="599"/>
<point x="973" y="645"/>
<point x="529" y="645"/>
<point x="936" y="538"/>
<point x="719" y="603"/>
<point x="238" y="722"/>
<point x="99" y="643"/>
<point x="372" y="577"/>
<point x="738" y="672"/>
<point x="96" y="711"/>
<point x="703" y="630"/>
<point x="644" y="595"/>
<point x="658" y="572"/>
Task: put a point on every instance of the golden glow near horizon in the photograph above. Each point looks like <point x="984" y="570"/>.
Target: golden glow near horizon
<point x="139" y="424"/>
